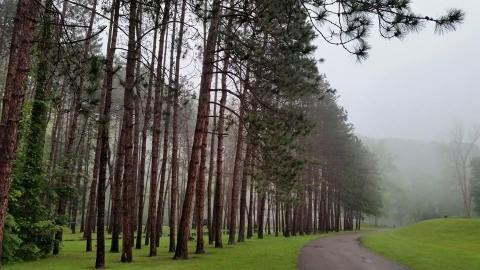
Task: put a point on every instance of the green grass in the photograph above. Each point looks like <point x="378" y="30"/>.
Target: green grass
<point x="269" y="253"/>
<point x="440" y="244"/>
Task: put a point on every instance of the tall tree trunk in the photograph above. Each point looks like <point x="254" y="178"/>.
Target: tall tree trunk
<point x="337" y="215"/>
<point x="200" y="195"/>
<point x="78" y="176"/>
<point x="174" y="171"/>
<point x="277" y="214"/>
<point x="261" y="214"/>
<point x="163" y="168"/>
<point x="84" y="205"/>
<point x="269" y="201"/>
<point x="118" y="183"/>
<point x="243" y="196"/>
<point x="90" y="223"/>
<point x="146" y="125"/>
<point x="167" y="187"/>
<point x="137" y="192"/>
<point x="250" y="205"/>
<point x="18" y="69"/>
<point x="67" y="167"/>
<point x="287" y="226"/>
<point x="323" y="207"/>
<point x="294" y="228"/>
<point x="175" y="164"/>
<point x="157" y="118"/>
<point x="315" y="203"/>
<point x="92" y="194"/>
<point x="219" y="185"/>
<point x="303" y="212"/>
<point x="31" y="171"/>
<point x="128" y="189"/>
<point x="54" y="139"/>
<point x="135" y="189"/>
<point x="236" y="179"/>
<point x="200" y="128"/>
<point x="117" y="190"/>
<point x="309" y="224"/>
<point x="103" y="128"/>
<point x="211" y="166"/>
<point x="86" y="172"/>
<point x="330" y="217"/>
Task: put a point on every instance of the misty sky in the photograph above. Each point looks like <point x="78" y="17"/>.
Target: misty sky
<point x="415" y="88"/>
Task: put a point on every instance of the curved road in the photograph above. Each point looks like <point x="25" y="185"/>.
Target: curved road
<point x="342" y="252"/>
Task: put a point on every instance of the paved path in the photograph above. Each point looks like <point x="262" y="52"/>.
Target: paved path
<point x="342" y="252"/>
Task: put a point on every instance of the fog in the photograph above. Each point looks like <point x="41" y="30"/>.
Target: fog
<point x="414" y="88"/>
<point x="404" y="100"/>
<point x="418" y="181"/>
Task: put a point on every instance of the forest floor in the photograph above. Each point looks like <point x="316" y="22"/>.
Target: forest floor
<point x="342" y="252"/>
<point x="269" y="253"/>
<point x="440" y="244"/>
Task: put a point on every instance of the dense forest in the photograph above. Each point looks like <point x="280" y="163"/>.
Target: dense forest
<point x="182" y="121"/>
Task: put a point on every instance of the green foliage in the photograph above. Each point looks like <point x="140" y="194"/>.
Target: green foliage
<point x="30" y="232"/>
<point x="348" y="167"/>
<point x="24" y="241"/>
<point x="278" y="51"/>
<point x="349" y="23"/>
<point x="11" y="242"/>
<point x="361" y="188"/>
<point x="40" y="237"/>
<point x="294" y="120"/>
<point x="27" y="203"/>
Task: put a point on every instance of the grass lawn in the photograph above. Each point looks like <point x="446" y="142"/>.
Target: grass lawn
<point x="269" y="253"/>
<point x="440" y="244"/>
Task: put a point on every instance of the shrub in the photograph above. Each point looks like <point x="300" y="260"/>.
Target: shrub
<point x="11" y="241"/>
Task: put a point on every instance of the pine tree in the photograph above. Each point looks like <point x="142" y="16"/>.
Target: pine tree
<point x="18" y="67"/>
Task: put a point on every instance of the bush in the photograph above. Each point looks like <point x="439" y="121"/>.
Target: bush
<point x="27" y="241"/>
<point x="11" y="242"/>
<point x="41" y="236"/>
<point x="28" y="252"/>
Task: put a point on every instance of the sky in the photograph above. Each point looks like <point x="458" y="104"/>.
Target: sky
<point x="415" y="88"/>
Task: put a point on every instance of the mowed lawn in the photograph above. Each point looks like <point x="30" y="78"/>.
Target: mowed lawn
<point x="268" y="253"/>
<point x="440" y="244"/>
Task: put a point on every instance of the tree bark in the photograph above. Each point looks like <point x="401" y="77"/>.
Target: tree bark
<point x="243" y="196"/>
<point x="219" y="186"/>
<point x="200" y="128"/>
<point x="309" y="225"/>
<point x="117" y="190"/>
<point x="104" y="145"/>
<point x="128" y="189"/>
<point x="31" y="170"/>
<point x="18" y="69"/>
<point x="157" y="118"/>
<point x="236" y="179"/>
<point x="146" y="124"/>
<point x="211" y="167"/>
<point x="200" y="195"/>
<point x="277" y="214"/>
<point x="261" y="214"/>
<point x="166" y="129"/>
<point x="137" y="192"/>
